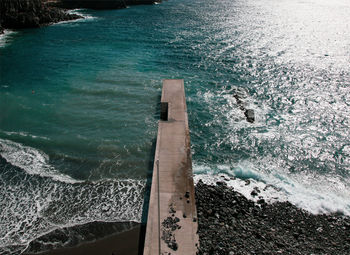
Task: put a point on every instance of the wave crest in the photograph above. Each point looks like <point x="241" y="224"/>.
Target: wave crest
<point x="33" y="161"/>
<point x="321" y="194"/>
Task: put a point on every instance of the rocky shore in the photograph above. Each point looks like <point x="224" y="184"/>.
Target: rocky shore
<point x="89" y="4"/>
<point x="98" y="4"/>
<point x="229" y="223"/>
<point x="16" y="14"/>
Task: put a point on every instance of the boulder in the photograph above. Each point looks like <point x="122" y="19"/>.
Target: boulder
<point x="249" y="114"/>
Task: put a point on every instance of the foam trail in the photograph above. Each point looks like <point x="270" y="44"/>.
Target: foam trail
<point x="31" y="160"/>
<point x="324" y="194"/>
<point x="24" y="134"/>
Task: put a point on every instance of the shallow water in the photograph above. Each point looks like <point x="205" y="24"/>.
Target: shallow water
<point x="79" y="107"/>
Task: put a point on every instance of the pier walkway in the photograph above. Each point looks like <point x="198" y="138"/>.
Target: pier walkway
<point x="172" y="217"/>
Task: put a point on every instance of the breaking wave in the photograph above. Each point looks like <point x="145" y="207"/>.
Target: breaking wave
<point x="33" y="161"/>
<point x="37" y="199"/>
<point x="324" y="194"/>
<point x="6" y="37"/>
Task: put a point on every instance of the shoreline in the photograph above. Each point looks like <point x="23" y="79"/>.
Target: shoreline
<point x="120" y="238"/>
<point x="38" y="13"/>
<point x="229" y="223"/>
<point x="4" y="36"/>
<point x="15" y="14"/>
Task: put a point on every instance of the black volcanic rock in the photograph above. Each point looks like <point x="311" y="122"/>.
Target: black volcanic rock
<point x="249" y="114"/>
<point x="139" y="2"/>
<point x="229" y="223"/>
<point x="90" y="4"/>
<point x="99" y="4"/>
<point x="15" y="14"/>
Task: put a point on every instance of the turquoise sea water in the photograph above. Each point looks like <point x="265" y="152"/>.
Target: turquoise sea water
<point x="79" y="107"/>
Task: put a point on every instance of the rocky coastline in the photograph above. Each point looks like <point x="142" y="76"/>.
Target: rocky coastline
<point x="229" y="223"/>
<point x="97" y="4"/>
<point x="89" y="4"/>
<point x="17" y="14"/>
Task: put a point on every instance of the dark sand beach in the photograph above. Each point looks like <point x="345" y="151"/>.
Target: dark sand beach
<point x="125" y="242"/>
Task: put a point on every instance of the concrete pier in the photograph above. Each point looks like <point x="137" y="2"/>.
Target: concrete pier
<point x="172" y="216"/>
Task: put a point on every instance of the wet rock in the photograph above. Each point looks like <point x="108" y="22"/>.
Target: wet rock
<point x="239" y="101"/>
<point x="261" y="201"/>
<point x="257" y="189"/>
<point x="254" y="193"/>
<point x="249" y="114"/>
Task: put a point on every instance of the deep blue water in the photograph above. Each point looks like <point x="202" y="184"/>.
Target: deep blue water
<point x="79" y="107"/>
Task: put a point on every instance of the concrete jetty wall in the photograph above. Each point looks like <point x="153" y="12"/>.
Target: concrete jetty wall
<point x="172" y="217"/>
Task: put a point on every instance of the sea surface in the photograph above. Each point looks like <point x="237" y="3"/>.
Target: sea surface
<point x="79" y="105"/>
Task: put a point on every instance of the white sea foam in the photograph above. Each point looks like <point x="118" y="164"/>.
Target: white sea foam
<point x="32" y="207"/>
<point x="85" y="17"/>
<point x="316" y="194"/>
<point x="6" y="37"/>
<point x="25" y="134"/>
<point x="33" y="161"/>
<point x="81" y="13"/>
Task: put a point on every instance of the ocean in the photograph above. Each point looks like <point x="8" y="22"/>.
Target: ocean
<point x="79" y="105"/>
